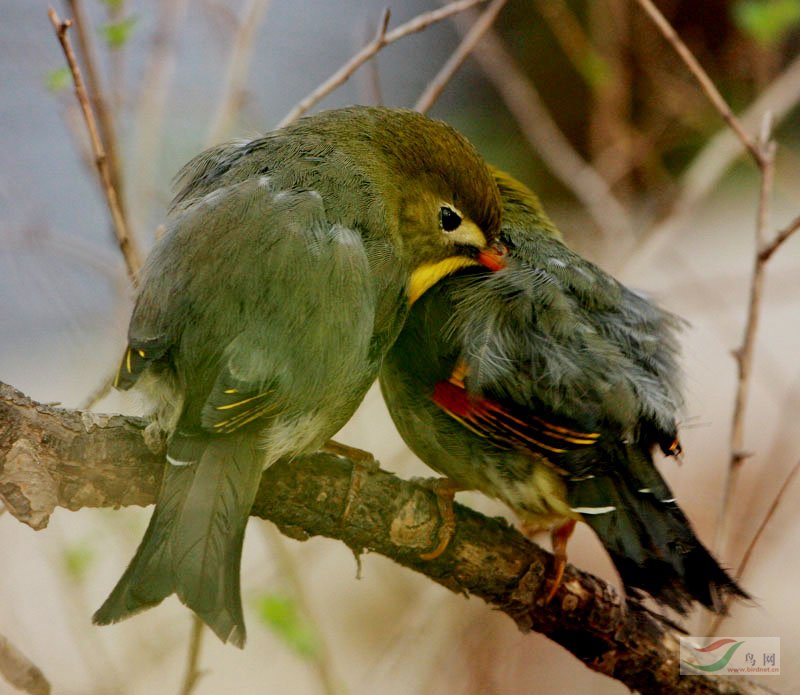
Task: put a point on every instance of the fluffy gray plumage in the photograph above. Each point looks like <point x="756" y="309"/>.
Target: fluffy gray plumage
<point x="571" y="380"/>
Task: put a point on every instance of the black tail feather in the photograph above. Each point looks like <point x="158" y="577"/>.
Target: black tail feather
<point x="650" y="540"/>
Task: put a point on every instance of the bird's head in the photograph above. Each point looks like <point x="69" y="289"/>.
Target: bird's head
<point x="440" y="191"/>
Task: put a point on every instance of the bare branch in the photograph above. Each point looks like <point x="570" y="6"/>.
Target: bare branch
<point x="455" y="61"/>
<point x="99" y="102"/>
<point x="545" y="137"/>
<point x="127" y="245"/>
<point x="702" y="77"/>
<point x="718" y="620"/>
<point x="766" y="253"/>
<point x="193" y="673"/>
<point x="382" y="38"/>
<point x="716" y="157"/>
<point x="20" y="671"/>
<point x="744" y="353"/>
<point x="51" y="457"/>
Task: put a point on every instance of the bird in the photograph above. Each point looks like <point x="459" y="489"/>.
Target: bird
<point x="288" y="265"/>
<point x="548" y="385"/>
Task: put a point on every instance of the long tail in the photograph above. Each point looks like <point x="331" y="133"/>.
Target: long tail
<point x="650" y="539"/>
<point x="193" y="544"/>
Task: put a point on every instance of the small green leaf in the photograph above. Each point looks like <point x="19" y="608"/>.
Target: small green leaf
<point x="59" y="79"/>
<point x="280" y="614"/>
<point x="116" y="34"/>
<point x="77" y="561"/>
<point x="767" y="21"/>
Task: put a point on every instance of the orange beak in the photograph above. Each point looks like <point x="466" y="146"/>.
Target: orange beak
<point x="494" y="257"/>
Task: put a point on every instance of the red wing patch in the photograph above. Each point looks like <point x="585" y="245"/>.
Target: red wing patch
<point x="506" y="426"/>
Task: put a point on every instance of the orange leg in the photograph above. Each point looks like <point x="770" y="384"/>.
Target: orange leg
<point x="445" y="491"/>
<point x="560" y="536"/>
<point x="364" y="464"/>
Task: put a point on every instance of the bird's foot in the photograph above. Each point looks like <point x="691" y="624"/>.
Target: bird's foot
<point x="445" y="491"/>
<point x="154" y="437"/>
<point x="364" y="464"/>
<point x="560" y="537"/>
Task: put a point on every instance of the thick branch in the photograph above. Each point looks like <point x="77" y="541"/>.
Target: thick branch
<point x="51" y="457"/>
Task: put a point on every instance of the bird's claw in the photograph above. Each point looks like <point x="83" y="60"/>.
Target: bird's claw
<point x="364" y="464"/>
<point x="560" y="537"/>
<point x="445" y="491"/>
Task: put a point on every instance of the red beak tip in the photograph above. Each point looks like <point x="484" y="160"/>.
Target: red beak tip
<point x="493" y="257"/>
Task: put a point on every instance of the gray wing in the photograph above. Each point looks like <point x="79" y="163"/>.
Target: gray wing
<point x="594" y="349"/>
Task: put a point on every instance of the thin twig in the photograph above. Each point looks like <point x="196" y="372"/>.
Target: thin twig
<point x="541" y="131"/>
<point x="238" y="67"/>
<point x="105" y="118"/>
<point x="701" y="76"/>
<point x="369" y="88"/>
<point x="456" y="60"/>
<point x="767" y="518"/>
<point x="718" y="619"/>
<point x="763" y="153"/>
<point x="18" y="670"/>
<point x="127" y="245"/>
<point x="717" y="155"/>
<point x="766" y="253"/>
<point x="382" y="38"/>
<point x="744" y="353"/>
<point x="99" y="393"/>
<point x="193" y="674"/>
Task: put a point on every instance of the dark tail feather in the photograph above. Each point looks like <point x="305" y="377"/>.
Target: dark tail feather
<point x="193" y="544"/>
<point x="650" y="540"/>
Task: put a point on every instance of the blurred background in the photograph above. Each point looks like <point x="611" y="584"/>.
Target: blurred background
<point x="584" y="101"/>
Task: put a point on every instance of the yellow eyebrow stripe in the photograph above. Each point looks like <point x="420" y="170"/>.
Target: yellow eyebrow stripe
<point x="128" y="360"/>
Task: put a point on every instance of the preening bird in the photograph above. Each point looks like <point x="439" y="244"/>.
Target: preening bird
<point x="286" y="271"/>
<point x="548" y="385"/>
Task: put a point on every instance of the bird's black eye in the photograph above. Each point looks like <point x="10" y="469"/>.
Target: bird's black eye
<point x="449" y="219"/>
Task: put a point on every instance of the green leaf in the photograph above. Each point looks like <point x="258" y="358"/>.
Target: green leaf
<point x="281" y="615"/>
<point x="59" y="79"/>
<point x="767" y="21"/>
<point x="116" y="34"/>
<point x="78" y="559"/>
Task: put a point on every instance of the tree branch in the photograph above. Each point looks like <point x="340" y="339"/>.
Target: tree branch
<point x="382" y="38"/>
<point x="20" y="671"/>
<point x="546" y="138"/>
<point x="127" y="245"/>
<point x="51" y="458"/>
<point x="456" y="60"/>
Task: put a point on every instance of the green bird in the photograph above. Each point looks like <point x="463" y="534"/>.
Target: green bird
<point x="547" y="385"/>
<point x="288" y="266"/>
